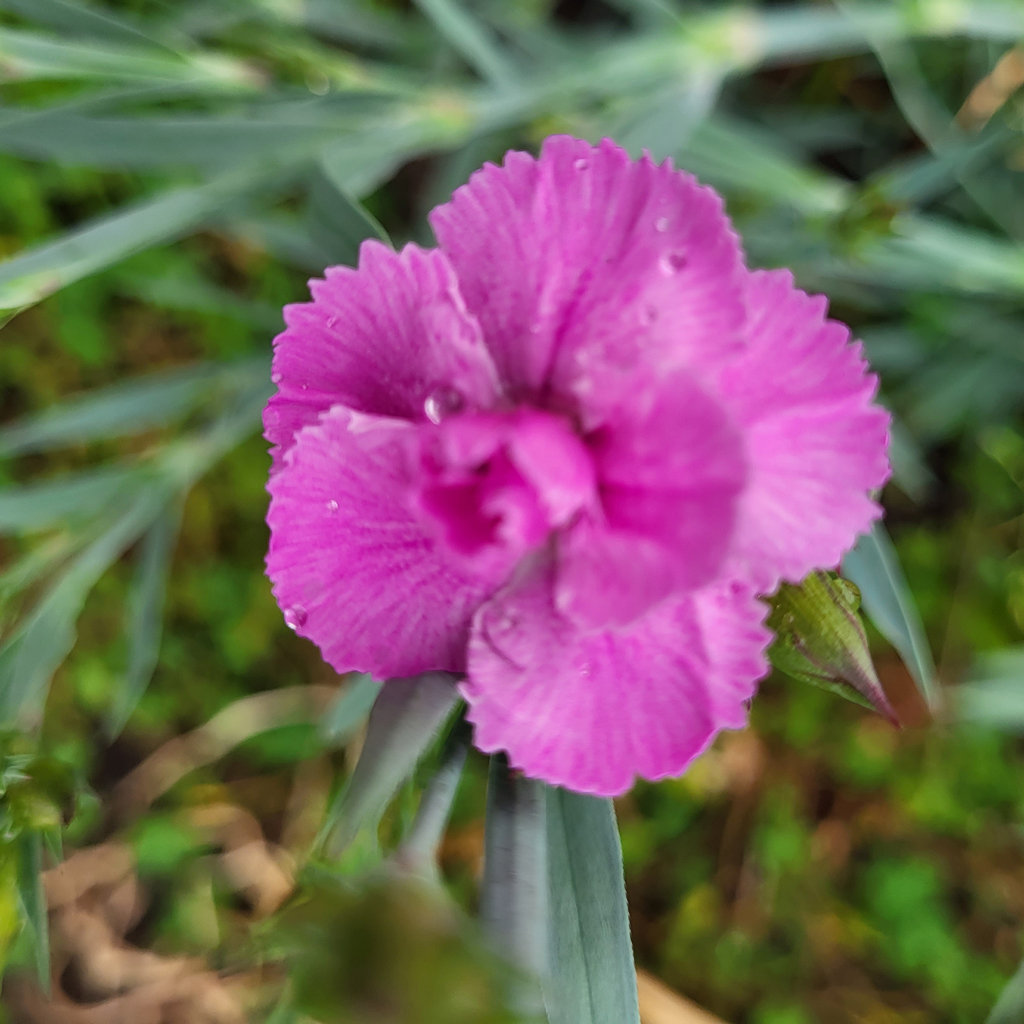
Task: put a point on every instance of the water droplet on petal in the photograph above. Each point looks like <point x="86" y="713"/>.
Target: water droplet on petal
<point x="441" y="403"/>
<point x="295" y="617"/>
<point x="585" y="669"/>
<point x="332" y="506"/>
<point x="673" y="262"/>
<point x="661" y="224"/>
<point x="331" y="321"/>
<point x="275" y="378"/>
<point x="581" y="164"/>
<point x="305" y="387"/>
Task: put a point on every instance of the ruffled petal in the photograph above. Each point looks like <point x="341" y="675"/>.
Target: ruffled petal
<point x="816" y="443"/>
<point x="670" y="468"/>
<point x="584" y="257"/>
<point x="392" y="338"/>
<point x="352" y="563"/>
<point x="590" y="711"/>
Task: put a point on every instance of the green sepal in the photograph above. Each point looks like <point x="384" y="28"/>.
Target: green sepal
<point x="820" y="639"/>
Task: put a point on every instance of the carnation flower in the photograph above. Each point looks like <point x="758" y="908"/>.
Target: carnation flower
<point x="561" y="455"/>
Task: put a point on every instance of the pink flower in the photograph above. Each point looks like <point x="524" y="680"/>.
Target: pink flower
<point x="563" y="453"/>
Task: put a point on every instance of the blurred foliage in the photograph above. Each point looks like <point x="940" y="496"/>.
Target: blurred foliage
<point x="171" y="173"/>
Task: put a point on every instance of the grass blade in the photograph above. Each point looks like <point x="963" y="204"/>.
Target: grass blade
<point x="34" y="507"/>
<point x="29" y="277"/>
<point x="886" y="599"/>
<point x="592" y="977"/>
<point x="145" y="622"/>
<point x="133" y="407"/>
<point x="405" y="718"/>
<point x="77" y="21"/>
<point x="346" y="714"/>
<point x="27" y="55"/>
<point x="339" y="223"/>
<point x="471" y="40"/>
<point x="418" y="851"/>
<point x="30" y="656"/>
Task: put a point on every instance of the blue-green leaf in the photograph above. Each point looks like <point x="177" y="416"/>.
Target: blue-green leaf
<point x="28" y="508"/>
<point x="145" y="619"/>
<point x="874" y="567"/>
<point x="592" y="979"/>
<point x="30" y="276"/>
<point x="133" y="406"/>
<point x="470" y="39"/>
<point x="30" y="656"/>
<point x="405" y="718"/>
<point x="418" y="851"/>
<point x="346" y="714"/>
<point x="514" y="896"/>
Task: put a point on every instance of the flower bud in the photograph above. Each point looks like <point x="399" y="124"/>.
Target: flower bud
<point x="820" y="639"/>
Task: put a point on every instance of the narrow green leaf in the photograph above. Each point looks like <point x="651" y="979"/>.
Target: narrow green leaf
<point x="132" y="407"/>
<point x="30" y="656"/>
<point x="28" y="508"/>
<point x="514" y="896"/>
<point x="994" y="696"/>
<point x="418" y="851"/>
<point x="195" y="294"/>
<point x="346" y="714"/>
<point x="592" y="978"/>
<point x="662" y="124"/>
<point x="875" y="569"/>
<point x="471" y="40"/>
<point x="910" y="470"/>
<point x="27" y="55"/>
<point x="30" y="276"/>
<point x="405" y="718"/>
<point x="338" y="222"/>
<point x="33" y="901"/>
<point x="732" y="154"/>
<point x="77" y="20"/>
<point x="146" y="607"/>
<point x="211" y="142"/>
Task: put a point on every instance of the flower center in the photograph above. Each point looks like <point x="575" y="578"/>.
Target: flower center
<point x="497" y="484"/>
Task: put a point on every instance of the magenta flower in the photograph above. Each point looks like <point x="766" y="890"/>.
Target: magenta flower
<point x="562" y="454"/>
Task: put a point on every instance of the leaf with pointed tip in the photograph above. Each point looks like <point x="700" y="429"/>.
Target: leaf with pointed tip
<point x="514" y="897"/>
<point x="592" y="979"/>
<point x="405" y="718"/>
<point x="337" y="222"/>
<point x="470" y="39"/>
<point x="30" y="655"/>
<point x="886" y="599"/>
<point x="145" y="622"/>
<point x="352" y="705"/>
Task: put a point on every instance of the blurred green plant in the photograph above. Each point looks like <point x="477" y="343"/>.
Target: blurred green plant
<point x="277" y="127"/>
